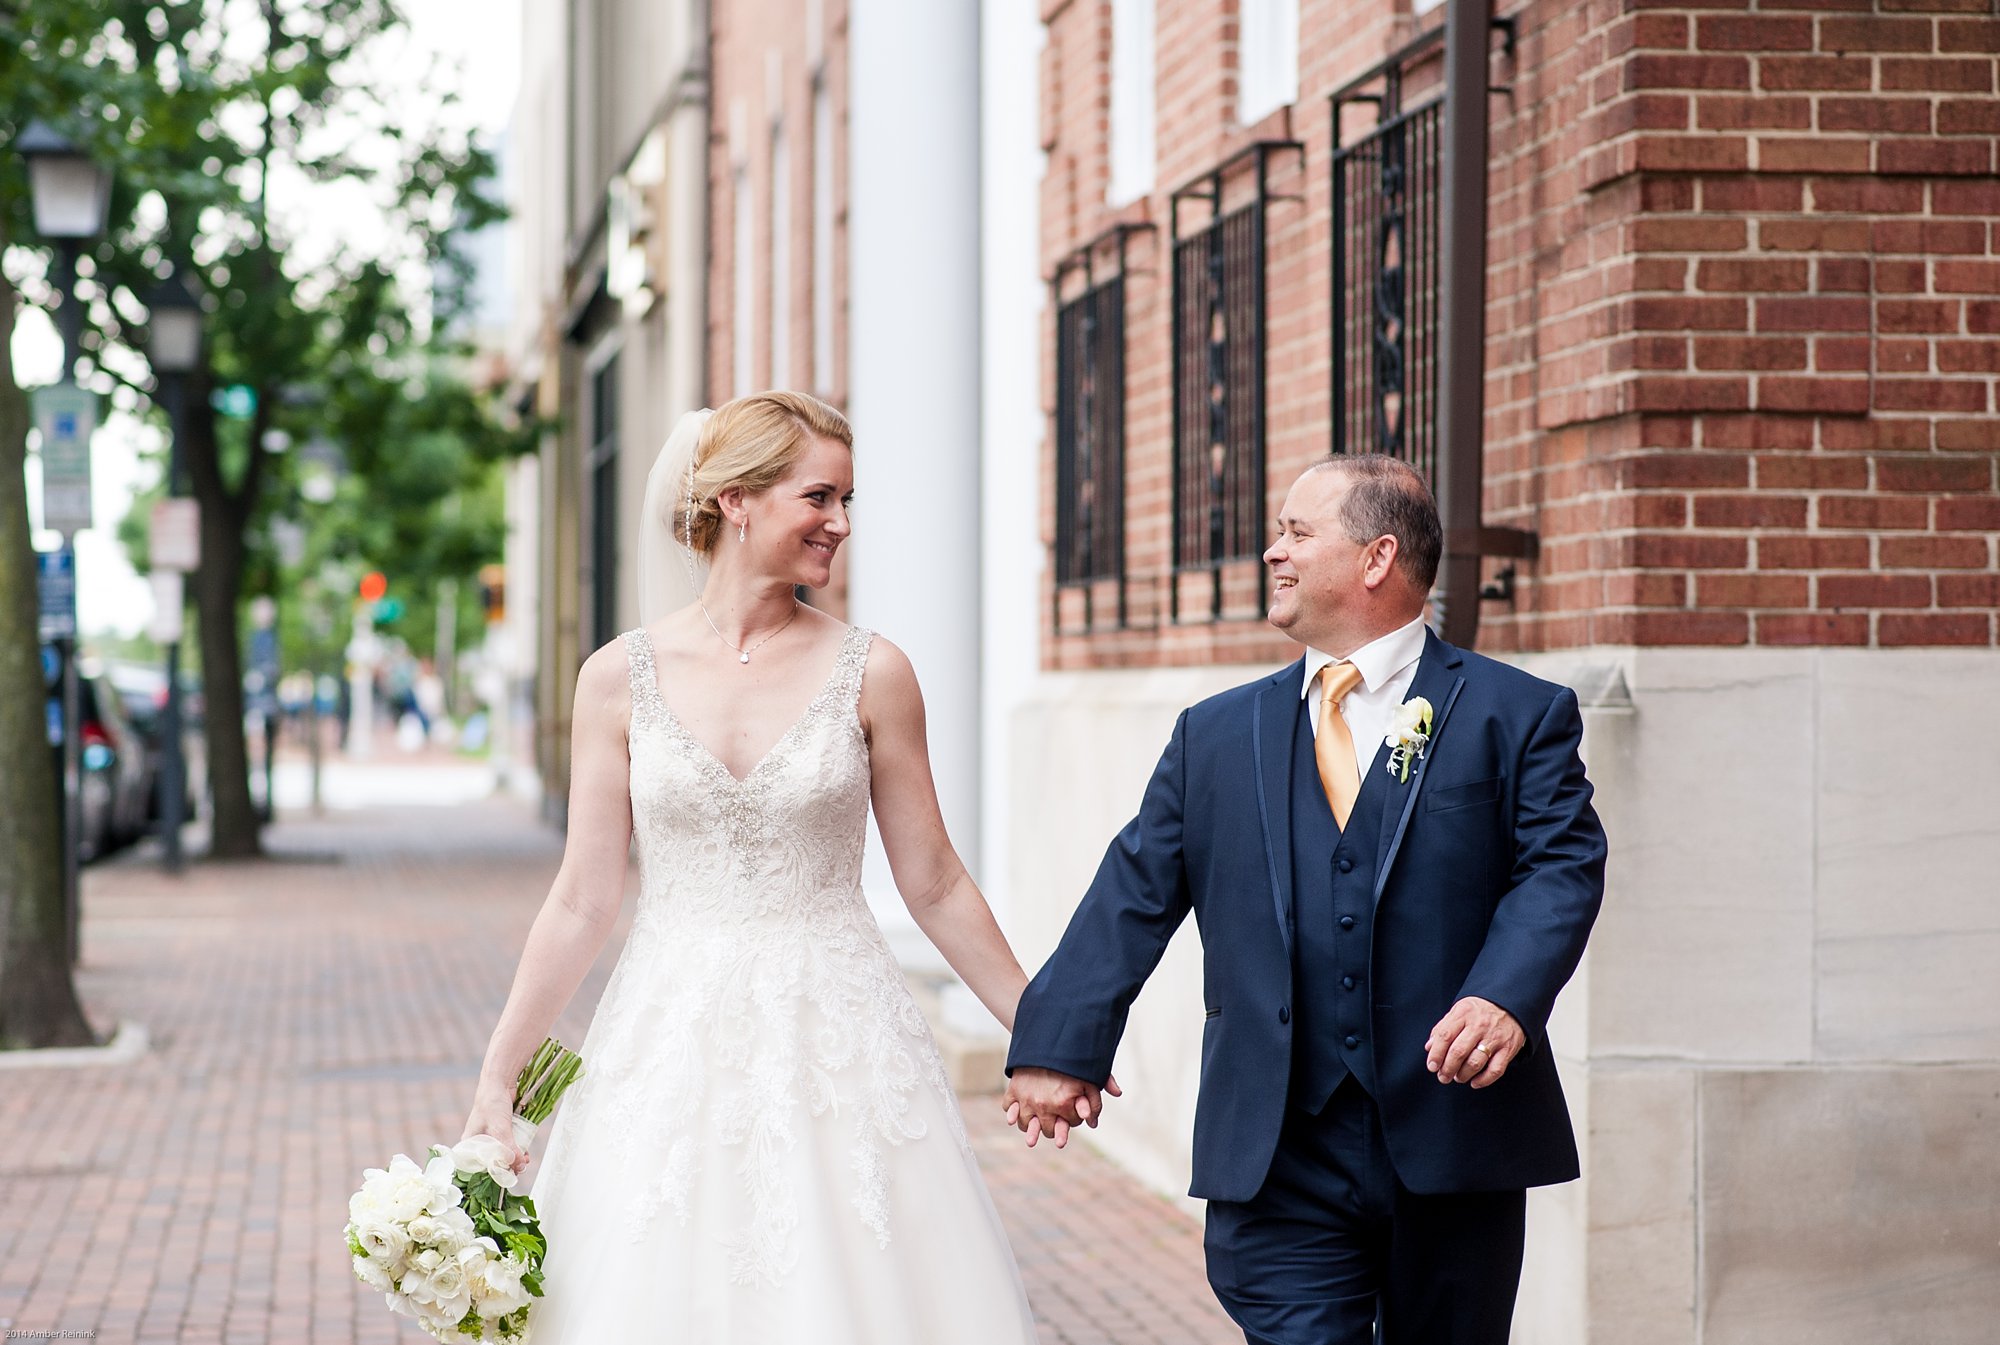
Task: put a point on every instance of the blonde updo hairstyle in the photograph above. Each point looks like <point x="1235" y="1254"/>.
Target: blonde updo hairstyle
<point x="750" y="443"/>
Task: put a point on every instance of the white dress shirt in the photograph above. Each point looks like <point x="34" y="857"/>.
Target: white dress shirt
<point x="1388" y="666"/>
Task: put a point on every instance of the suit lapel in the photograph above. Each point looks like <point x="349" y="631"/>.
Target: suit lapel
<point x="1439" y="682"/>
<point x="1274" y="714"/>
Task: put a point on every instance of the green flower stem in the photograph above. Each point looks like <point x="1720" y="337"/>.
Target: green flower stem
<point x="550" y="1071"/>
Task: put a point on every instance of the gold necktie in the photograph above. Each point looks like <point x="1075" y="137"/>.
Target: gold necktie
<point x="1333" y="748"/>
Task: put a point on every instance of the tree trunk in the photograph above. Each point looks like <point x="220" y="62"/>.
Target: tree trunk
<point x="38" y="1005"/>
<point x="217" y="585"/>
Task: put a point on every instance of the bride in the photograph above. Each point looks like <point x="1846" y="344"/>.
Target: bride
<point x="763" y="1146"/>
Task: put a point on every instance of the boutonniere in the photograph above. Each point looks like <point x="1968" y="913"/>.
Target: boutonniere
<point x="1409" y="736"/>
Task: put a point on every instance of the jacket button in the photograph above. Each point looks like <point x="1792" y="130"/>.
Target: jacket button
<point x="1347" y="983"/>
<point x="1347" y="922"/>
<point x="1346" y="864"/>
<point x="1284" y="1014"/>
<point x="1352" y="1041"/>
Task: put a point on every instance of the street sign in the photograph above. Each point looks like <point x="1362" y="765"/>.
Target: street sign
<point x="66" y="415"/>
<point x="174" y="540"/>
<point x="238" y="401"/>
<point x="169" y="606"/>
<point x="55" y="584"/>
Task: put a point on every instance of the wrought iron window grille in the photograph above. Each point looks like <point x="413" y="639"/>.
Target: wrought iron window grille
<point x="1090" y="572"/>
<point x="1408" y="292"/>
<point x="1218" y="379"/>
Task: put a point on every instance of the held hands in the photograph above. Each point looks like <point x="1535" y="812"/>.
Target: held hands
<point x="1474" y="1043"/>
<point x="493" y="1114"/>
<point x="1042" y="1102"/>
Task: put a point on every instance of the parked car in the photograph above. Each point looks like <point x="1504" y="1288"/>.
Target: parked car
<point x="142" y="692"/>
<point x="116" y="768"/>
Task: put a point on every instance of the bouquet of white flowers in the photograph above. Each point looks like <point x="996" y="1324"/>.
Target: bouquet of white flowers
<point x="448" y="1243"/>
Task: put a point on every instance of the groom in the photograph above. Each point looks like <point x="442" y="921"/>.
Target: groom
<point x="1383" y="935"/>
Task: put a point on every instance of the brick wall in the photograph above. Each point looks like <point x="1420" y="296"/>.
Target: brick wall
<point x="1744" y="329"/>
<point x="762" y="71"/>
<point x="1743" y="313"/>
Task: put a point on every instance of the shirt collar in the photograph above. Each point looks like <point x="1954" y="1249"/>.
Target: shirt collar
<point x="1379" y="660"/>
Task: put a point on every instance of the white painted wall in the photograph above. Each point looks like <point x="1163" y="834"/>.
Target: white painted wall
<point x="914" y="383"/>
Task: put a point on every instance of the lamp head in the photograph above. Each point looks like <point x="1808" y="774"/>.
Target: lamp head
<point x="70" y="190"/>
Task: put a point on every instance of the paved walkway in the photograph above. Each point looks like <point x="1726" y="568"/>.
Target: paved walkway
<point x="313" y="1013"/>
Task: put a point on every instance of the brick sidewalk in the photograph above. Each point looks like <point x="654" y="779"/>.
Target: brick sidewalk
<point x="312" y="1014"/>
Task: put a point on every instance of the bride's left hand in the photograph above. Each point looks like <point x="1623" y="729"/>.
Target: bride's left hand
<point x="495" y="1117"/>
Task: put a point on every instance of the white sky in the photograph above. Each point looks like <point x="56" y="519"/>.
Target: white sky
<point x="482" y="60"/>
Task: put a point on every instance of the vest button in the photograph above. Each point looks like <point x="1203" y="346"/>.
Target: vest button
<point x="1284" y="1014"/>
<point x="1346" y="864"/>
<point x="1347" y="922"/>
<point x="1352" y="1041"/>
<point x="1347" y="983"/>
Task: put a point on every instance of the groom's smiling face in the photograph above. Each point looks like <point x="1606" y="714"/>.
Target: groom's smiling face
<point x="1316" y="569"/>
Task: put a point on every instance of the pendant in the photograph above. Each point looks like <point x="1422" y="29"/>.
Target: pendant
<point x="743" y="658"/>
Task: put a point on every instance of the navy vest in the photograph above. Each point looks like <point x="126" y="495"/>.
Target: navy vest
<point x="1333" y="904"/>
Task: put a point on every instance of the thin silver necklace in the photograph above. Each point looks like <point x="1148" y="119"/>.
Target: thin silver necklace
<point x="742" y="654"/>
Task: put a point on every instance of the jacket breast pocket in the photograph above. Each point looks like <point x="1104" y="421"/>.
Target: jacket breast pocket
<point x="1462" y="796"/>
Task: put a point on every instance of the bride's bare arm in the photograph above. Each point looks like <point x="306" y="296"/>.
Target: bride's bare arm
<point x="935" y="885"/>
<point x="582" y="905"/>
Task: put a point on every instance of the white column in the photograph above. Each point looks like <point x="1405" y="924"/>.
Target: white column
<point x="1012" y="302"/>
<point x="913" y="361"/>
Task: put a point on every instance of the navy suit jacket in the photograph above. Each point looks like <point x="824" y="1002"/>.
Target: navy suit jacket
<point x="1490" y="871"/>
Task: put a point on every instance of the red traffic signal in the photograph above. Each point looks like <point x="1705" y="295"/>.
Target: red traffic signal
<point x="373" y="585"/>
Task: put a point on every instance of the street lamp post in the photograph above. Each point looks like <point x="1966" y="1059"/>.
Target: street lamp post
<point x="173" y="346"/>
<point x="71" y="196"/>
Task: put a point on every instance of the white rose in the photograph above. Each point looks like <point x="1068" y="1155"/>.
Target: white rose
<point x="455" y="1230"/>
<point x="485" y="1154"/>
<point x="373" y="1274"/>
<point x="385" y="1242"/>
<point x="447" y="1284"/>
<point x="426" y="1229"/>
<point x="1409" y="718"/>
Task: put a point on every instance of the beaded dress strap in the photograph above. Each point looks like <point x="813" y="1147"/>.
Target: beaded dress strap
<point x="648" y="711"/>
<point x="844" y="687"/>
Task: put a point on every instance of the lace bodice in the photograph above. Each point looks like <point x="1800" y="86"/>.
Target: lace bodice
<point x="782" y="846"/>
<point x="755" y="994"/>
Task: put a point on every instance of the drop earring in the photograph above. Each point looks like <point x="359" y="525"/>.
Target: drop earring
<point x="742" y="528"/>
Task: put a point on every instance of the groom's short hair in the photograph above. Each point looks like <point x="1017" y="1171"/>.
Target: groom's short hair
<point x="1388" y="497"/>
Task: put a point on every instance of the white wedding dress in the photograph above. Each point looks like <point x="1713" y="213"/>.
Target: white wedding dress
<point x="763" y="1146"/>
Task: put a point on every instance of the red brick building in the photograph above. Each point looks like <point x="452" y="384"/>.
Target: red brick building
<point x="1742" y="310"/>
<point x="1741" y="302"/>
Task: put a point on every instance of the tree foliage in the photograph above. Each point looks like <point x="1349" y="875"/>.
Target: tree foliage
<point x="241" y="128"/>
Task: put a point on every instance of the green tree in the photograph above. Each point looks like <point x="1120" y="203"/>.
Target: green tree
<point x="47" y="68"/>
<point x="242" y="137"/>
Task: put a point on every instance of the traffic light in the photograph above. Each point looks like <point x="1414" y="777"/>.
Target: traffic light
<point x="373" y="585"/>
<point x="493" y="592"/>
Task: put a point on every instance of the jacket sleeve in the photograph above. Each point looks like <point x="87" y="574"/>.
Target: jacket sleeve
<point x="1539" y="928"/>
<point x="1073" y="1012"/>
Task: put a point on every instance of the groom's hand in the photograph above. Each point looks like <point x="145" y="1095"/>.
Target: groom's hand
<point x="1474" y="1043"/>
<point x="1043" y="1102"/>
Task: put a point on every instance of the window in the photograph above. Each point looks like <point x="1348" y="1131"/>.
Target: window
<point x="781" y="260"/>
<point x="822" y="237"/>
<point x="1388" y="189"/>
<point x="1218" y="373"/>
<point x="1090" y="440"/>
<point x="602" y="462"/>
<point x="743" y="307"/>
<point x="1132" y="113"/>
<point x="1267" y="58"/>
